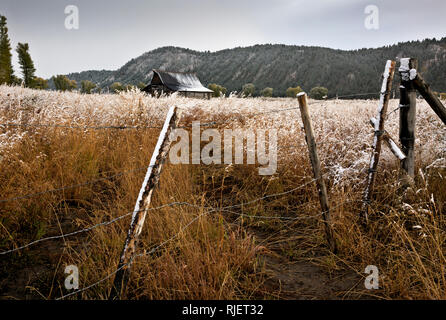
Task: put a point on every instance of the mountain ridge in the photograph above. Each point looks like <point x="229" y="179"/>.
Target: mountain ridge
<point x="281" y="66"/>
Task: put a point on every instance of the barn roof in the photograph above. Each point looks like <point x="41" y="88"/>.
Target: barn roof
<point x="178" y="81"/>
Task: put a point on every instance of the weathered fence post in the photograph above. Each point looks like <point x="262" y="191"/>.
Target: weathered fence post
<point x="386" y="87"/>
<point x="408" y="105"/>
<point x="428" y="95"/>
<point x="309" y="137"/>
<point x="397" y="152"/>
<point x="143" y="202"/>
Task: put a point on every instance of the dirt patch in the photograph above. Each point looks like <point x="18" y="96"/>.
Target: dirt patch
<point x="303" y="280"/>
<point x="302" y="276"/>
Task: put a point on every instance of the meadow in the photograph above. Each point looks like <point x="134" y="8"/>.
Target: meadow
<point x="273" y="248"/>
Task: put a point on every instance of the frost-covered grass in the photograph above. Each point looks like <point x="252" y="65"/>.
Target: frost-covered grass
<point x="218" y="257"/>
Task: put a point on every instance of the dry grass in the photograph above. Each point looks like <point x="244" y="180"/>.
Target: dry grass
<point x="220" y="256"/>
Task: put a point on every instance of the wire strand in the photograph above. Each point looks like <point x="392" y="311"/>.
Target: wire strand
<point x="157" y="208"/>
<point x="153" y="250"/>
<point x="122" y="173"/>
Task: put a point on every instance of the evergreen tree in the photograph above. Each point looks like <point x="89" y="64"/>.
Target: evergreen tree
<point x="6" y="71"/>
<point x="26" y="64"/>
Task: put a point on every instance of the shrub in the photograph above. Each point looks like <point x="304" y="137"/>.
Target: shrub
<point x="63" y="83"/>
<point x="87" y="86"/>
<point x="292" y="92"/>
<point x="248" y="89"/>
<point x="267" y="92"/>
<point x="217" y="89"/>
<point x="318" y="93"/>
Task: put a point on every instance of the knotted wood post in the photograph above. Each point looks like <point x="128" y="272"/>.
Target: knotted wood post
<point x="315" y="163"/>
<point x="386" y="88"/>
<point x="143" y="202"/>
<point x="408" y="111"/>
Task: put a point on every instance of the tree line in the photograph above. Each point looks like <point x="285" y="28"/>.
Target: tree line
<point x="63" y="83"/>
<point x="249" y="90"/>
<point x="342" y="72"/>
<point x="28" y="70"/>
<point x="7" y="76"/>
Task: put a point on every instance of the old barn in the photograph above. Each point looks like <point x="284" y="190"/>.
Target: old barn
<point x="187" y="84"/>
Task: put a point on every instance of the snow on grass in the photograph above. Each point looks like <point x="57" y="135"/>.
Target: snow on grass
<point x="342" y="130"/>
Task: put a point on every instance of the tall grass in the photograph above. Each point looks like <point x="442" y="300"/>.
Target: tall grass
<point x="221" y="255"/>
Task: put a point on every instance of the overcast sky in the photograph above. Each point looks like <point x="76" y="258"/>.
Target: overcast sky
<point x="111" y="32"/>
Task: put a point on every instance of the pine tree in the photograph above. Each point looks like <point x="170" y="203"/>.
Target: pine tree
<point x="26" y="64"/>
<point x="6" y="71"/>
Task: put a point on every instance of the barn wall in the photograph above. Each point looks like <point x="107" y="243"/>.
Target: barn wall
<point x="200" y="95"/>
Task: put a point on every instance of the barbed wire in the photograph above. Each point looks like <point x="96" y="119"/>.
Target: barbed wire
<point x="394" y="110"/>
<point x="122" y="173"/>
<point x="119" y="127"/>
<point x="137" y="127"/>
<point x="87" y="229"/>
<point x="270" y="195"/>
<point x="153" y="250"/>
<point x="318" y="216"/>
<point x="244" y="215"/>
<point x="210" y="209"/>
<point x="29" y="195"/>
<point x="156" y="208"/>
<point x="118" y="174"/>
<point x="123" y="127"/>
<point x="354" y="95"/>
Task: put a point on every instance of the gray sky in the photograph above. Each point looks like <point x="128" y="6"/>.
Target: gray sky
<point x="111" y="32"/>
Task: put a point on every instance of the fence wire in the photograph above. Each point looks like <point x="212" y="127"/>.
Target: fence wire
<point x="209" y="209"/>
<point x="29" y="195"/>
<point x="177" y="203"/>
<point x="153" y="250"/>
<point x="63" y="126"/>
<point x="124" y="127"/>
<point x="161" y="245"/>
<point x="63" y="236"/>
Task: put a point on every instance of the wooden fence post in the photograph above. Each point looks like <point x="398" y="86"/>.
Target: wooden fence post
<point x="408" y="105"/>
<point x="143" y="202"/>
<point x="309" y="137"/>
<point x="386" y="87"/>
<point x="397" y="152"/>
<point x="428" y="95"/>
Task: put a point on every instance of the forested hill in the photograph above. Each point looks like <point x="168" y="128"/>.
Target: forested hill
<point x="282" y="66"/>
